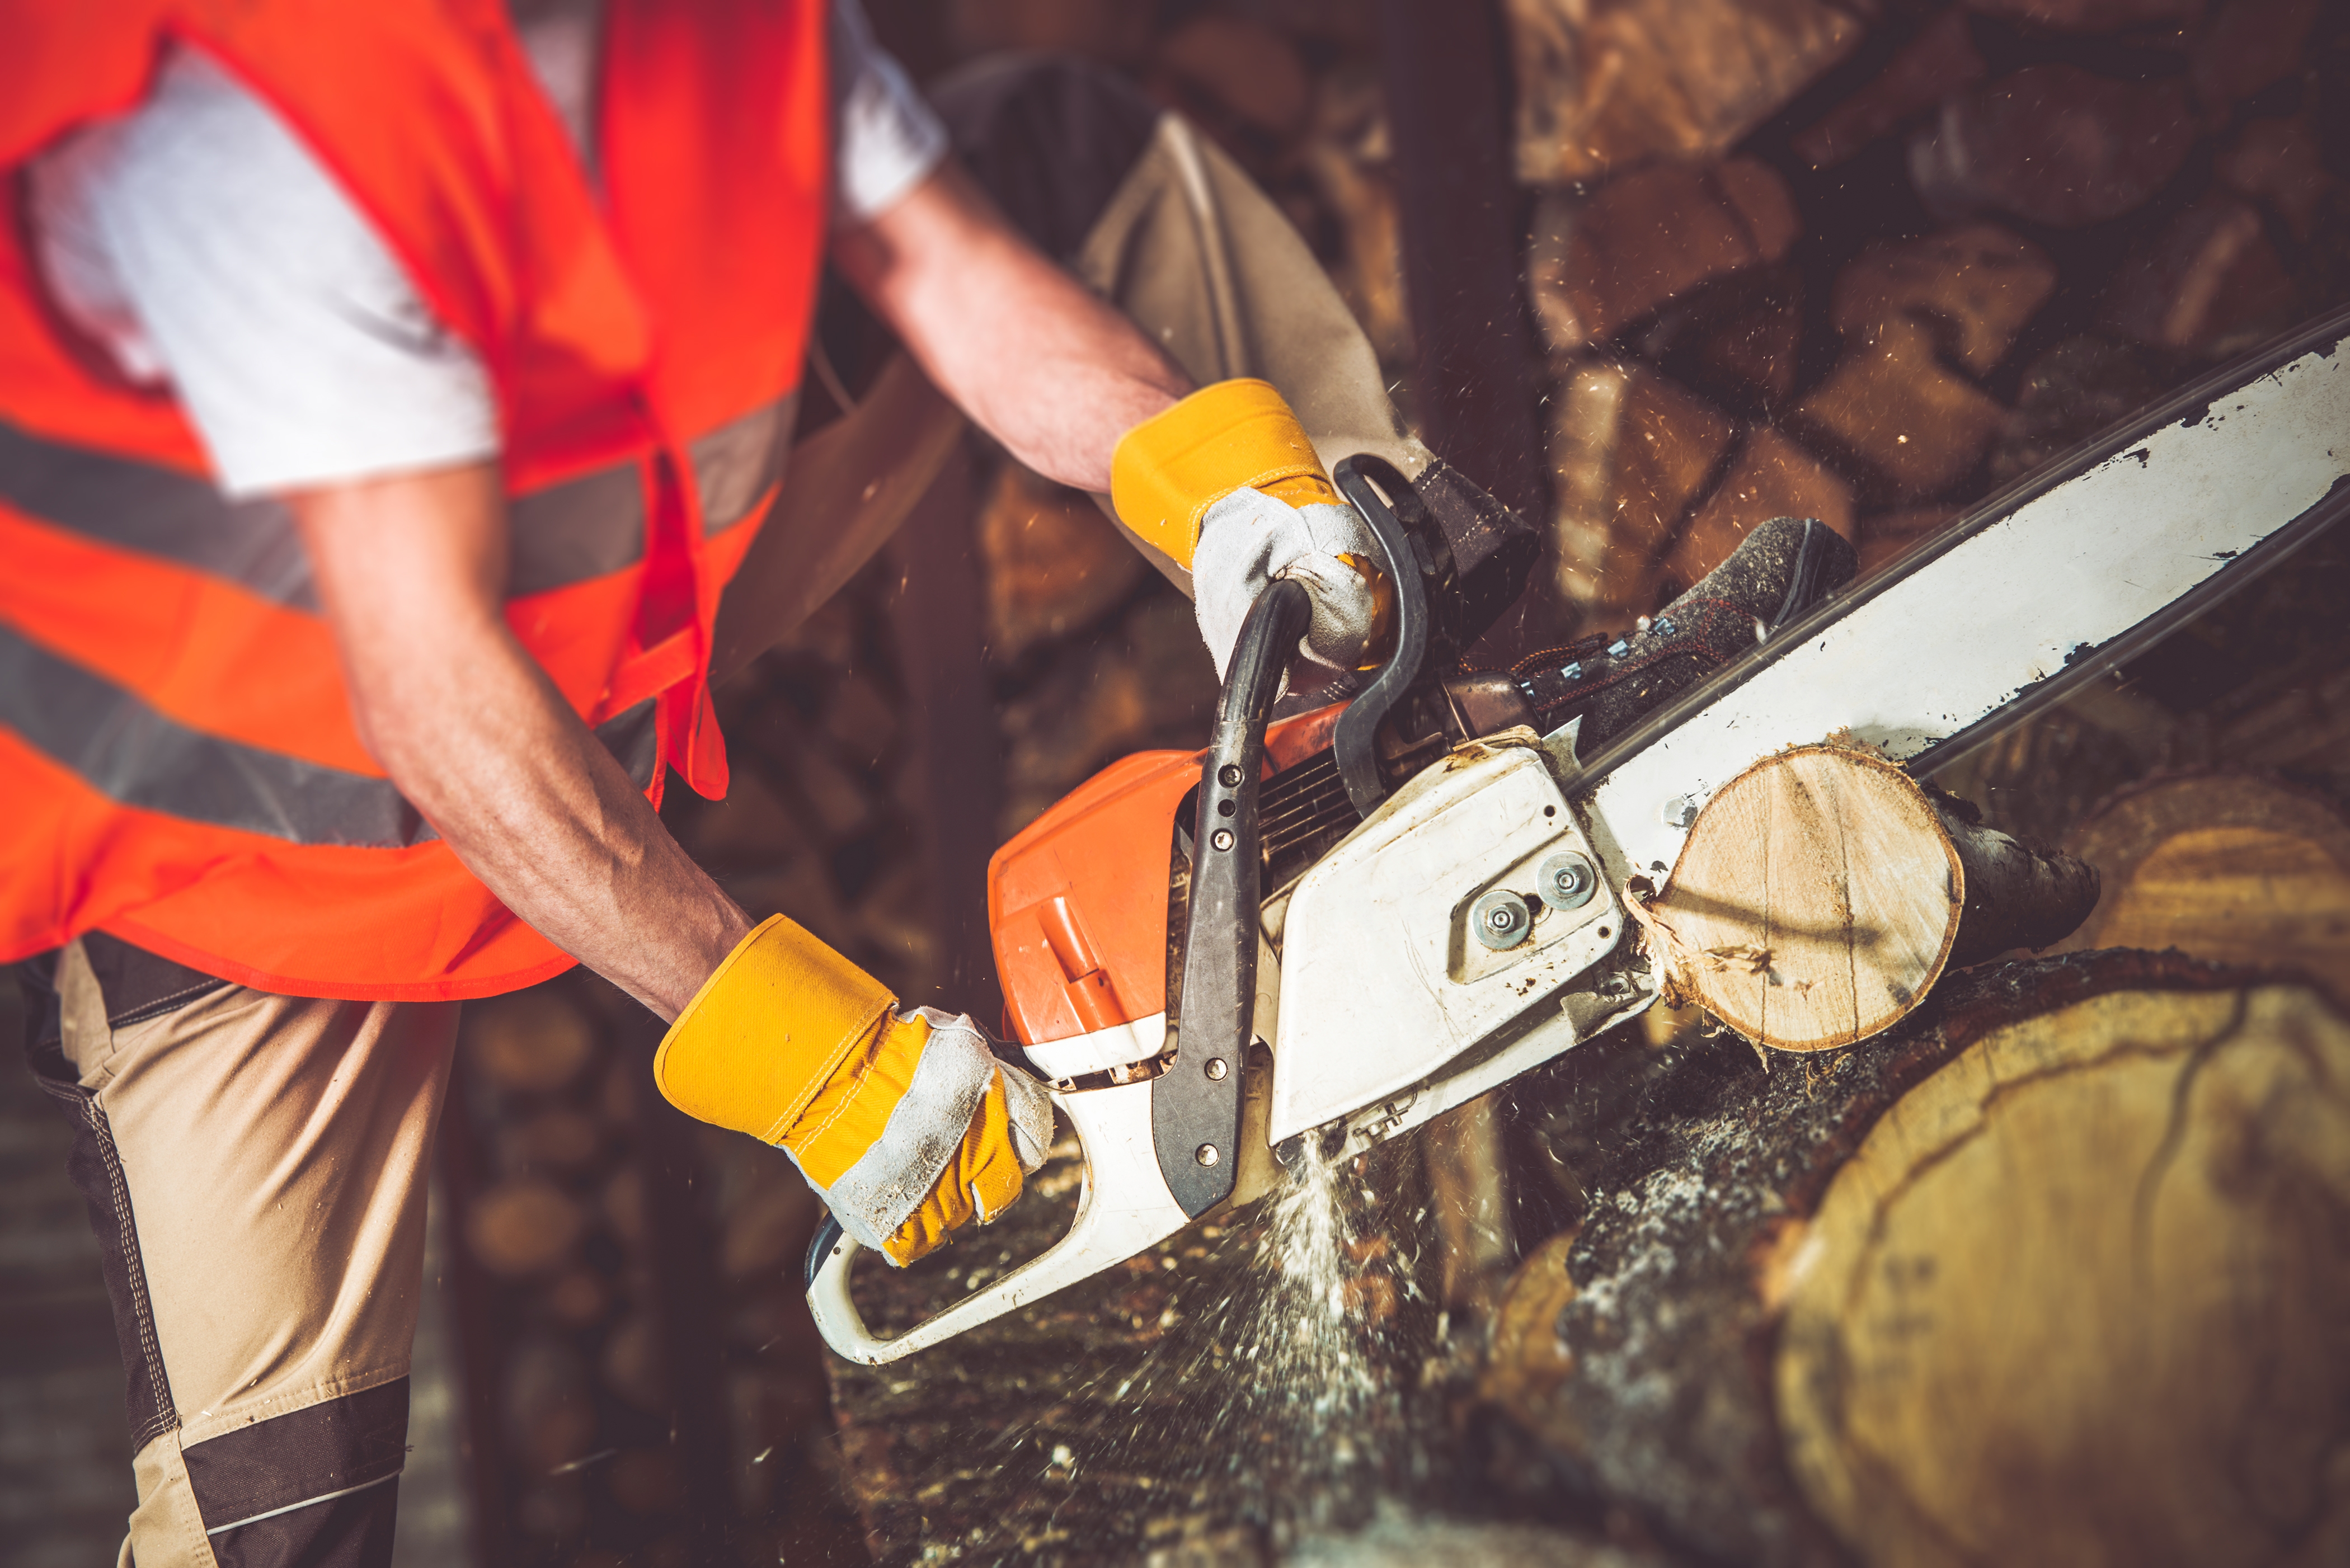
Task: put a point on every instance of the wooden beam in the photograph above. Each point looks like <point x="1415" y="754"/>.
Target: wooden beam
<point x="1448" y="85"/>
<point x="940" y="616"/>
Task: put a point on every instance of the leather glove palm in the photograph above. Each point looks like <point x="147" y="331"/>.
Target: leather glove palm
<point x="1227" y="483"/>
<point x="905" y="1122"/>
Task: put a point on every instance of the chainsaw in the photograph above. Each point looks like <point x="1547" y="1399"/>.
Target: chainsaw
<point x="1335" y="927"/>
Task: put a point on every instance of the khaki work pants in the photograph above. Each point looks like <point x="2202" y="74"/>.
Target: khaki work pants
<point x="256" y="1164"/>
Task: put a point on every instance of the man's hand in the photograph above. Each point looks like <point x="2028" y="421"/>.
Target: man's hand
<point x="412" y="571"/>
<point x="1227" y="483"/>
<point x="1249" y="538"/>
<point x="904" y="1121"/>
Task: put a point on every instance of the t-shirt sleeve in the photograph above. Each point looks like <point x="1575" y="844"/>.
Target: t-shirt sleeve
<point x="294" y="338"/>
<point x="888" y="138"/>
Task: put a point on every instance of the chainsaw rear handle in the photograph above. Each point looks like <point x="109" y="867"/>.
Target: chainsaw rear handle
<point x="1124" y="1209"/>
<point x="1160" y="1151"/>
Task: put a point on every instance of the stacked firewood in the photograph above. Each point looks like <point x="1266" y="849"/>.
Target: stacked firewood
<point x="1864" y="261"/>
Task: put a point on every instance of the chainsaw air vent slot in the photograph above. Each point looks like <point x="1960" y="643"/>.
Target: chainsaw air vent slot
<point x="1082" y="976"/>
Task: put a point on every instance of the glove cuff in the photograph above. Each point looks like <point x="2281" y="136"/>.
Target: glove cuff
<point x="766" y="1031"/>
<point x="1239" y="434"/>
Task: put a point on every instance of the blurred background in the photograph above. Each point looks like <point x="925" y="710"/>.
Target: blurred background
<point x="1654" y="270"/>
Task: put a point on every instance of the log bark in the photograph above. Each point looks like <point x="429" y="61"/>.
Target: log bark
<point x="2027" y="1279"/>
<point x="1823" y="892"/>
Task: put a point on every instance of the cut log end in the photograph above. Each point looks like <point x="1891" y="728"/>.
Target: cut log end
<point x="2071" y="1280"/>
<point x="1822" y="891"/>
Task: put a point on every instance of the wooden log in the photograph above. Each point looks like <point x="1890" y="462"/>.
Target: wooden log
<point x="532" y="1040"/>
<point x="1807" y="1313"/>
<point x="2052" y="144"/>
<point x="1633" y="451"/>
<point x="2248" y="45"/>
<point x="1348" y="158"/>
<point x="2206" y="279"/>
<point x="1605" y="87"/>
<point x="1893" y="405"/>
<point x="2276" y="162"/>
<point x="754" y="829"/>
<point x="2227" y="866"/>
<point x="1051" y="562"/>
<point x="632" y="1365"/>
<point x="559" y="1141"/>
<point x="2072" y="391"/>
<point x="1929" y="67"/>
<point x="1239" y="77"/>
<point x="1978" y="284"/>
<point x="523" y="1227"/>
<point x="1753" y="350"/>
<point x="1596" y="266"/>
<point x="1823" y="892"/>
<point x="2080" y="1296"/>
<point x="1769" y="476"/>
<point x="1184" y="1400"/>
<point x="1470" y="1191"/>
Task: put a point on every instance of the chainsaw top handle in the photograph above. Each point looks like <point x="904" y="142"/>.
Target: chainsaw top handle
<point x="1350" y="741"/>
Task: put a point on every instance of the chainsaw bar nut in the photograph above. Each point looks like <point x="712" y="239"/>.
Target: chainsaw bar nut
<point x="1567" y="882"/>
<point x="1501" y="920"/>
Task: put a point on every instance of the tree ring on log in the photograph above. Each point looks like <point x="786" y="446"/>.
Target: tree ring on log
<point x="2081" y="1296"/>
<point x="1823" y="892"/>
<point x="2233" y="868"/>
<point x="1815" y="901"/>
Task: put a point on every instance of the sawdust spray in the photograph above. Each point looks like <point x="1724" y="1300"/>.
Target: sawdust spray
<point x="1307" y="1348"/>
<point x="1287" y="1373"/>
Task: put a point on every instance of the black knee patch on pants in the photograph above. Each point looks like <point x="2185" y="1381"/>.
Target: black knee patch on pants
<point x="96" y="1170"/>
<point x="134" y="985"/>
<point x="314" y="1488"/>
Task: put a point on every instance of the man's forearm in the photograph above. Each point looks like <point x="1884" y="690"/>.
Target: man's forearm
<point x="535" y="807"/>
<point x="477" y="738"/>
<point x="1050" y="371"/>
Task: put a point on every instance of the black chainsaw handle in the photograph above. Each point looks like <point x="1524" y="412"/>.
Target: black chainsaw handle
<point x="1195" y="1105"/>
<point x="1350" y="741"/>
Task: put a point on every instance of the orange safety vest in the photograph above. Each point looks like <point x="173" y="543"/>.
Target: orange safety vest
<point x="177" y="763"/>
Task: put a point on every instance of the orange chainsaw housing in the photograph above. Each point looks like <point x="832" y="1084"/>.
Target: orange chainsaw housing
<point x="1076" y="902"/>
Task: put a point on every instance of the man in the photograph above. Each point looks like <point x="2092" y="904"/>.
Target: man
<point x="386" y="406"/>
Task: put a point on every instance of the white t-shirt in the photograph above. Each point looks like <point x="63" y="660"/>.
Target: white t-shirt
<point x="200" y="245"/>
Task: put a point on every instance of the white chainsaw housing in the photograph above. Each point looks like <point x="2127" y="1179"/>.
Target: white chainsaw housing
<point x="1385" y="983"/>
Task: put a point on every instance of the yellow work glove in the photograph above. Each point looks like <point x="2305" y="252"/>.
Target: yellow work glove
<point x="1228" y="485"/>
<point x="904" y="1121"/>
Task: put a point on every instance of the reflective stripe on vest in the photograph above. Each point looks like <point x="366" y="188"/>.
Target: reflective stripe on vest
<point x="135" y="756"/>
<point x="561" y="534"/>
